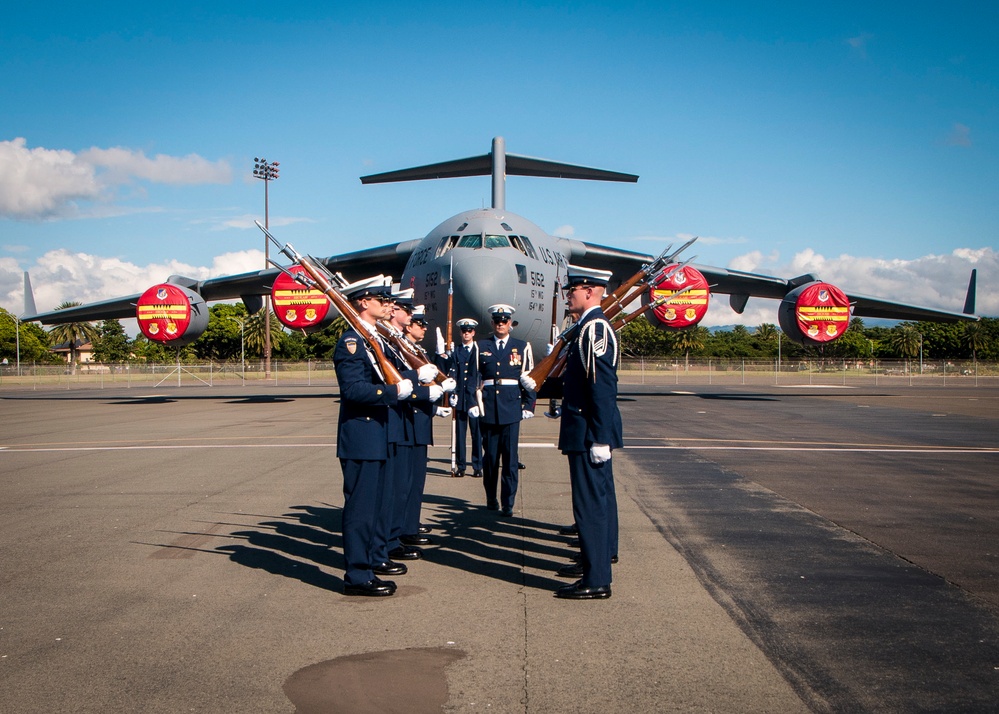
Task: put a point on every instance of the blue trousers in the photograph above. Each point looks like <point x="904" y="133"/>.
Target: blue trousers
<point x="363" y="491"/>
<point x="389" y="528"/>
<point x="499" y="462"/>
<point x="414" y="499"/>
<point x="461" y="422"/>
<point x="594" y="506"/>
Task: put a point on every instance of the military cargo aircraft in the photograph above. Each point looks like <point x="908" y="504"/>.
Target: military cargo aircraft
<point x="487" y="256"/>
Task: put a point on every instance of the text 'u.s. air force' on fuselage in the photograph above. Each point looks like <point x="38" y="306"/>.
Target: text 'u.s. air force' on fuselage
<point x="489" y="256"/>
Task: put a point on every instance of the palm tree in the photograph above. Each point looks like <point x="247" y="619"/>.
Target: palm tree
<point x="254" y="332"/>
<point x="73" y="334"/>
<point x="974" y="338"/>
<point x="906" y="340"/>
<point x="691" y="338"/>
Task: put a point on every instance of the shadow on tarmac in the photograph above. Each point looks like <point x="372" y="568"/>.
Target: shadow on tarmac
<point x="309" y="543"/>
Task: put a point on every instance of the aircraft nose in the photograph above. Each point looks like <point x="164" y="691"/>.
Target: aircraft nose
<point x="484" y="280"/>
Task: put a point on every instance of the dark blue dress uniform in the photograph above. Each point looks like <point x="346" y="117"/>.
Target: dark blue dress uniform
<point x="465" y="371"/>
<point x="504" y="400"/>
<point x="590" y="416"/>
<point x="362" y="447"/>
<point x="401" y="441"/>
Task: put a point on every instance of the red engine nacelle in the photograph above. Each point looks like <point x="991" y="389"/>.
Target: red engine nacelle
<point x="171" y="314"/>
<point x="686" y="310"/>
<point x="299" y="307"/>
<point x="814" y="314"/>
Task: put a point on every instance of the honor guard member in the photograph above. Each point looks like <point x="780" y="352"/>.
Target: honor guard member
<point x="503" y="403"/>
<point x="362" y="436"/>
<point x="590" y="430"/>
<point x="402" y="439"/>
<point x="465" y="370"/>
<point x="423" y="436"/>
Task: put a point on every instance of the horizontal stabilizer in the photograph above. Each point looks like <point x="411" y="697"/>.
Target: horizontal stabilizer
<point x="483" y="166"/>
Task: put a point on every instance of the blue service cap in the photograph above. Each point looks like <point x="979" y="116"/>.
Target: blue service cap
<point x="404" y="299"/>
<point x="420" y="314"/>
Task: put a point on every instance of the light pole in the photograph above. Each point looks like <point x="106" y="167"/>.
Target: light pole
<point x="242" y="347"/>
<point x="17" y="339"/>
<point x="266" y="172"/>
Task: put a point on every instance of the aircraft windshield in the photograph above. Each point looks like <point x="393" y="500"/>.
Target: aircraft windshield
<point x="476" y="240"/>
<point x="497" y="242"/>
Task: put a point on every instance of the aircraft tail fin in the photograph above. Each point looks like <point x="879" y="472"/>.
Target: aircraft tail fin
<point x="29" y="297"/>
<point x="499" y="164"/>
<point x="969" y="301"/>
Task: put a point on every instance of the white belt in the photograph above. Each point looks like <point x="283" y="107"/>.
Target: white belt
<point x="500" y="382"/>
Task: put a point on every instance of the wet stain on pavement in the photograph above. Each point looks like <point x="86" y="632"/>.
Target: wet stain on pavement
<point x="411" y="681"/>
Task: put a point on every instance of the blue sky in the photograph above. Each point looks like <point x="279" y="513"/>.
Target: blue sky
<point x="859" y="141"/>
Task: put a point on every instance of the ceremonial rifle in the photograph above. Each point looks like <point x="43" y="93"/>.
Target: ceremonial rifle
<point x="614" y="304"/>
<point x="318" y="278"/>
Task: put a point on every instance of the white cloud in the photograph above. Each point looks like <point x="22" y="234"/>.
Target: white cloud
<point x="565" y="231"/>
<point x="53" y="183"/>
<point x="860" y="42"/>
<point x="960" y="135"/>
<point x="61" y="275"/>
<point x="939" y="281"/>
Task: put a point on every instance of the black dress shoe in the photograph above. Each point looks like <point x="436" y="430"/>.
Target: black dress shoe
<point x="569" y="530"/>
<point x="578" y="557"/>
<point x="372" y="588"/>
<point x="389" y="568"/>
<point x="477" y="473"/>
<point x="506" y="512"/>
<point x="520" y="466"/>
<point x="390" y="583"/>
<point x="415" y="540"/>
<point x="458" y="474"/>
<point x="425" y="529"/>
<point x="572" y="570"/>
<point x="577" y="591"/>
<point x="492" y="505"/>
<point x="405" y="552"/>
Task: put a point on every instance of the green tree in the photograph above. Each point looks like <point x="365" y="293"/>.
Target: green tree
<point x="690" y="339"/>
<point x="321" y="344"/>
<point x="223" y="338"/>
<point x="640" y="338"/>
<point x="112" y="344"/>
<point x="73" y="335"/>
<point x="254" y="333"/>
<point x="33" y="341"/>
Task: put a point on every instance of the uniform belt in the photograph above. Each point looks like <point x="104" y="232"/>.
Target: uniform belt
<point x="500" y="382"/>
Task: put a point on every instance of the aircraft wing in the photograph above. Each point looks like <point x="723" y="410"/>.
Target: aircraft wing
<point x="250" y="287"/>
<point x="740" y="286"/>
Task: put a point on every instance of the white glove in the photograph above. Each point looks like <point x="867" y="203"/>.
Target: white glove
<point x="527" y="415"/>
<point x="474" y="412"/>
<point x="444" y="411"/>
<point x="549" y="348"/>
<point x="600" y="453"/>
<point x="405" y="388"/>
<point x="427" y="372"/>
<point x="441" y="347"/>
<point x="435" y="392"/>
<point x="527" y="382"/>
<point x="449" y="385"/>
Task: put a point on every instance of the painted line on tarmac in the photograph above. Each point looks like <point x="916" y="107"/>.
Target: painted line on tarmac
<point x="156" y="447"/>
<point x="871" y="450"/>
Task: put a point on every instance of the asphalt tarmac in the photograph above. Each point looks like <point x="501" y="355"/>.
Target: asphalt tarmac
<point x="783" y="549"/>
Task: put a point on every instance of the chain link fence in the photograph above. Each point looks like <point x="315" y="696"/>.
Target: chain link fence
<point x="665" y="372"/>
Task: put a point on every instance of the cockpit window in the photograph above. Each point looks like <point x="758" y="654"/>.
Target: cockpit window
<point x="470" y="241"/>
<point x="446" y="244"/>
<point x="522" y="244"/>
<point x="494" y="241"/>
